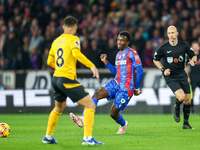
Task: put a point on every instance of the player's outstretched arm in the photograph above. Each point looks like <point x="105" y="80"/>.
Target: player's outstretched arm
<point x="112" y="69"/>
<point x="95" y="72"/>
<point x="192" y="61"/>
<point x="103" y="58"/>
<point x="82" y="58"/>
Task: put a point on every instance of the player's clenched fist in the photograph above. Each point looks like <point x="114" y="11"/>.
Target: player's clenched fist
<point x="103" y="58"/>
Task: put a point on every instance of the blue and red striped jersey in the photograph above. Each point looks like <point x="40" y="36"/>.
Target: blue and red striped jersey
<point x="125" y="63"/>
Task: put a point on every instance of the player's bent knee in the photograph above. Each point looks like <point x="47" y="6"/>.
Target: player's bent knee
<point x="180" y="95"/>
<point x="87" y="102"/>
<point x="187" y="102"/>
<point x="59" y="109"/>
<point x="181" y="98"/>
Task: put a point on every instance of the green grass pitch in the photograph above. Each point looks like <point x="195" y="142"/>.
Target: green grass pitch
<point x="145" y="132"/>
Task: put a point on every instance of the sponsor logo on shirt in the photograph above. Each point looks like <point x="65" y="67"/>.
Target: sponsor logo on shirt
<point x="180" y="58"/>
<point x="121" y="62"/>
<point x="170" y="59"/>
<point x="169" y="51"/>
<point x="77" y="44"/>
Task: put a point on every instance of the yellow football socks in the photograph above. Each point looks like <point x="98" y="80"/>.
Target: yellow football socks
<point x="53" y="119"/>
<point x="88" y="121"/>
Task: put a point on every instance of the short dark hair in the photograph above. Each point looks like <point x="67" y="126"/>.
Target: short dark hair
<point x="70" y="21"/>
<point x="125" y="33"/>
<point x="194" y="42"/>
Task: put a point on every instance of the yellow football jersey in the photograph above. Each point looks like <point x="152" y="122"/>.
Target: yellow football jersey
<point x="63" y="55"/>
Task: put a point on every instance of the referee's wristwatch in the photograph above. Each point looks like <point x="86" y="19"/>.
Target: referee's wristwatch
<point x="163" y="70"/>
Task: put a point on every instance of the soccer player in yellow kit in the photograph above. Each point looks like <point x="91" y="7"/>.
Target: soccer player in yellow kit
<point x="63" y="55"/>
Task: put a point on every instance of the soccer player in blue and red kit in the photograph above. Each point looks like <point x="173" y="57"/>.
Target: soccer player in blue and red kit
<point x="123" y="86"/>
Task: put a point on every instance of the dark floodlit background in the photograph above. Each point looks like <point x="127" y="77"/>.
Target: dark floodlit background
<point x="28" y="27"/>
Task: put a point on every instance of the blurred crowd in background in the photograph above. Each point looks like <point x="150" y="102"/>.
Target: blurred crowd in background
<point x="28" y="27"/>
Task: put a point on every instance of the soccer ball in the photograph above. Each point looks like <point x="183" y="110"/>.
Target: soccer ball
<point x="4" y="129"/>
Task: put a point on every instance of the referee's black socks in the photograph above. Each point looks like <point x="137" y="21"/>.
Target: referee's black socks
<point x="178" y="103"/>
<point x="186" y="113"/>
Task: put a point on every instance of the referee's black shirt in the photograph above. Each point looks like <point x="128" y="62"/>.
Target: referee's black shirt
<point x="173" y="56"/>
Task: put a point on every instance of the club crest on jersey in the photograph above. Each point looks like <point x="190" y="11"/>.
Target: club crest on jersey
<point x="77" y="44"/>
<point x="180" y="58"/>
<point x="170" y="59"/>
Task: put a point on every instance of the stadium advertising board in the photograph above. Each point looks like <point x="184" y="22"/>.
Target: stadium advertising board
<point x="36" y="95"/>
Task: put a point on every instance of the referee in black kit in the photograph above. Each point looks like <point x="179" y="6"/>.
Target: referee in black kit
<point x="173" y="56"/>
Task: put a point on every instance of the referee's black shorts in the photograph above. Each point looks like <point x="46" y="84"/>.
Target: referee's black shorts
<point x="65" y="87"/>
<point x="178" y="81"/>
